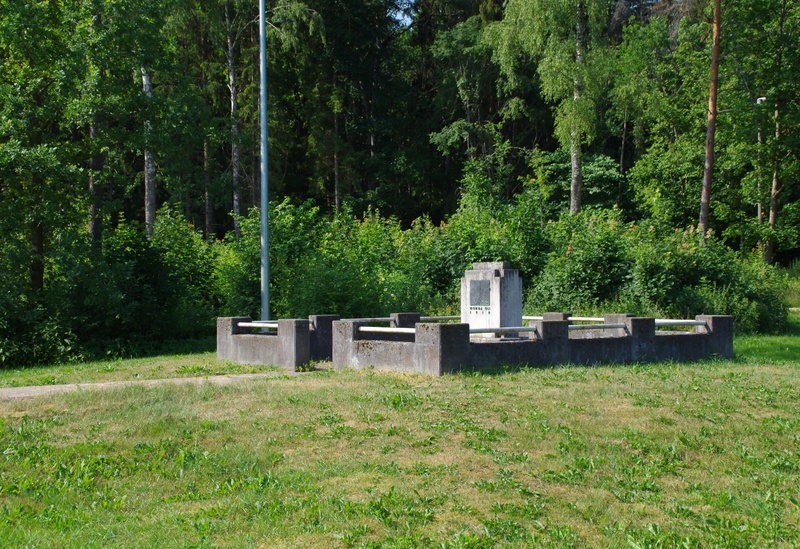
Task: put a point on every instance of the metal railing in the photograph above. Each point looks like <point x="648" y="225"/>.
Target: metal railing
<point x="386" y="330"/>
<point x="571" y="319"/>
<point x="263" y="324"/>
<point x="659" y="323"/>
<point x="669" y="322"/>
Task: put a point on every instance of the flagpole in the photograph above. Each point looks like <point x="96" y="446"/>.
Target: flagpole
<point x="264" y="164"/>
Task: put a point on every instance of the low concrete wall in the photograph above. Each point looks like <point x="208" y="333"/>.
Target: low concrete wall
<point x="295" y="344"/>
<point x="288" y="348"/>
<point x="445" y="348"/>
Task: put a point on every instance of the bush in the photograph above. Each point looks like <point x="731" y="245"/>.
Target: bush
<point x="345" y="266"/>
<point x="586" y="266"/>
<point x="600" y="264"/>
<point x="189" y="262"/>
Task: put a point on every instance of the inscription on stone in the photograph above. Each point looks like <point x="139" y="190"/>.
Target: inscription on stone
<point x="480" y="292"/>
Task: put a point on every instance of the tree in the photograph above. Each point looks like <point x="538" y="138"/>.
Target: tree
<point x="567" y="38"/>
<point x="35" y="90"/>
<point x="708" y="172"/>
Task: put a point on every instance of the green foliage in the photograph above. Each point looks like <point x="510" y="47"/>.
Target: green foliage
<point x="681" y="277"/>
<point x="388" y="113"/>
<point x="599" y="263"/>
<point x="586" y="265"/>
<point x="344" y="265"/>
<point x="189" y="262"/>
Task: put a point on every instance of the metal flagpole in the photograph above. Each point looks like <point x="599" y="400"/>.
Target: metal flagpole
<point x="264" y="188"/>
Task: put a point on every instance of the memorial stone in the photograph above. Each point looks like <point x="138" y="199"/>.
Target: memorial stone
<point x="491" y="296"/>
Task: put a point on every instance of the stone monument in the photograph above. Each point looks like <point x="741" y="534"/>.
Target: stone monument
<point x="491" y="297"/>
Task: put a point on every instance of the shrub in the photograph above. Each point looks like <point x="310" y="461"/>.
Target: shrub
<point x="189" y="263"/>
<point x="600" y="264"/>
<point x="587" y="264"/>
<point x="674" y="273"/>
<point x="343" y="266"/>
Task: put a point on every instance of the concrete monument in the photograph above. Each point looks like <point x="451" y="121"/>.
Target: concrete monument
<point x="491" y="297"/>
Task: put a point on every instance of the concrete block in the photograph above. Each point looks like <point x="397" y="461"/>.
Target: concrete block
<point x="554" y="341"/>
<point x="293" y="343"/>
<point x="404" y="320"/>
<point x="617" y="319"/>
<point x="441" y="348"/>
<point x="556" y="316"/>
<point x="321" y="336"/>
<point x="642" y="332"/>
<point x="345" y="333"/>
<point x="721" y="332"/>
<point x="289" y="348"/>
<point x="227" y="327"/>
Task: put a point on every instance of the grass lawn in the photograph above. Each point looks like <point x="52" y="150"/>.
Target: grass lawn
<point x="662" y="455"/>
<point x="178" y="364"/>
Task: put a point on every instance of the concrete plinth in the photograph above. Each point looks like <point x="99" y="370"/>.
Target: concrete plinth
<point x="491" y="297"/>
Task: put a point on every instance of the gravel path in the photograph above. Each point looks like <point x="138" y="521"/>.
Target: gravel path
<point x="10" y="393"/>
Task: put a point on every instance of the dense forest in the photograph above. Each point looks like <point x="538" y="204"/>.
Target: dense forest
<point x="640" y="156"/>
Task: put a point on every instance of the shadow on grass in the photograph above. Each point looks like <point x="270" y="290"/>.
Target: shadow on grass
<point x="147" y="348"/>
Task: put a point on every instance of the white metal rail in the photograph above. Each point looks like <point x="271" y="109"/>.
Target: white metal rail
<point x="386" y="330"/>
<point x="668" y="322"/>
<point x="572" y="327"/>
<point x="659" y="322"/>
<point x="259" y="324"/>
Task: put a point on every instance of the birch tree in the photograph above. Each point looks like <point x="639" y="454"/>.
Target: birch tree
<point x="567" y="40"/>
<point x="708" y="171"/>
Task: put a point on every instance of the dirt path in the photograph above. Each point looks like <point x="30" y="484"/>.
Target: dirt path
<point x="10" y="393"/>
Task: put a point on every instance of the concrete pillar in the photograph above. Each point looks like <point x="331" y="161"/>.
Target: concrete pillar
<point x="293" y="343"/>
<point x="345" y="333"/>
<point x="227" y="327"/>
<point x="617" y="319"/>
<point x="721" y="331"/>
<point x="556" y="316"/>
<point x="555" y="340"/>
<point x="321" y="336"/>
<point x="441" y="348"/>
<point x="404" y="320"/>
<point x="643" y="337"/>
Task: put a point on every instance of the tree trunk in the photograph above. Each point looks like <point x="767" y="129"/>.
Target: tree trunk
<point x="337" y="195"/>
<point x="37" y="255"/>
<point x="576" y="181"/>
<point x="769" y="247"/>
<point x="95" y="188"/>
<point x="708" y="171"/>
<point x="234" y="90"/>
<point x="209" y="208"/>
<point x="149" y="164"/>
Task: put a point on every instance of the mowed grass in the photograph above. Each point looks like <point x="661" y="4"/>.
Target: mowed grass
<point x="185" y="364"/>
<point x="662" y="455"/>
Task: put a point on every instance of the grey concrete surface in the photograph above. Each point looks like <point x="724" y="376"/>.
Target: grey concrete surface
<point x="438" y="349"/>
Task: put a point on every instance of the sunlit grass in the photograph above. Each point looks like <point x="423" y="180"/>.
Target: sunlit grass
<point x="159" y="367"/>
<point x="659" y="455"/>
<point x="772" y="349"/>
